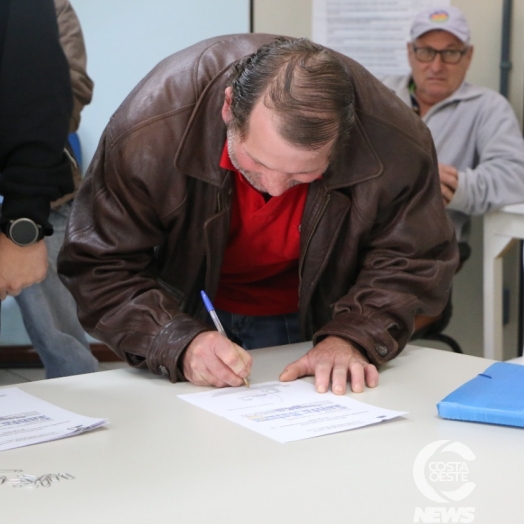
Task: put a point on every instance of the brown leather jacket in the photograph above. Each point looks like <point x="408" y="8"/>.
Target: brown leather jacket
<point x="151" y="220"/>
<point x="72" y="42"/>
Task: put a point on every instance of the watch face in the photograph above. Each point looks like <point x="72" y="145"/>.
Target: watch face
<point x="24" y="232"/>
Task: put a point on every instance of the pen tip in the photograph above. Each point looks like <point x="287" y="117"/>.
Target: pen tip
<point x="206" y="300"/>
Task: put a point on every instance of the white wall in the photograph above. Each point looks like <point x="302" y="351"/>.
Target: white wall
<point x="126" y="38"/>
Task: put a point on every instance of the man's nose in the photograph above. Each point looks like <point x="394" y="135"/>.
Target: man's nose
<point x="437" y="63"/>
<point x="276" y="183"/>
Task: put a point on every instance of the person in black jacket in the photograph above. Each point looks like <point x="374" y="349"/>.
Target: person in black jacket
<point x="48" y="309"/>
<point x="35" y="107"/>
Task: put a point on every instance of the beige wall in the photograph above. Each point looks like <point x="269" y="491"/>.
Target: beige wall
<point x="293" y="18"/>
<point x="283" y="17"/>
<point x="485" y="17"/>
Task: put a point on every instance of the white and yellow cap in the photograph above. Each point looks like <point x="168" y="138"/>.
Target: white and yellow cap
<point x="447" y="18"/>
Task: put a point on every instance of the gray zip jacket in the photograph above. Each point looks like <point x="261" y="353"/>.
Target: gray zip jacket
<point x="476" y="131"/>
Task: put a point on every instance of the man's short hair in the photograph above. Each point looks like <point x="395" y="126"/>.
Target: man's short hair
<point x="304" y="83"/>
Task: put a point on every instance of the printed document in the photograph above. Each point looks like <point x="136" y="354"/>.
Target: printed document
<point x="26" y="420"/>
<point x="372" y="32"/>
<point x="288" y="411"/>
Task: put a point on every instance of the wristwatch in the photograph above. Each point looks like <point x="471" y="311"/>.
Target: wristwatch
<point x="23" y="231"/>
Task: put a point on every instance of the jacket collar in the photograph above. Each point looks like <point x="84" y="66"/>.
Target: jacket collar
<point x="201" y="146"/>
<point x="357" y="161"/>
<point x="465" y="91"/>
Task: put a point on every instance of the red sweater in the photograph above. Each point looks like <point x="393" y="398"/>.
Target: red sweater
<point x="259" y="274"/>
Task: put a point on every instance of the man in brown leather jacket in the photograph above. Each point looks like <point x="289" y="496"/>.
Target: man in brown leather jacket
<point x="197" y="176"/>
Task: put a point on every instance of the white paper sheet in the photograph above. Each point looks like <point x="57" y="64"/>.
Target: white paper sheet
<point x="374" y="33"/>
<point x="26" y="420"/>
<point x="288" y="411"/>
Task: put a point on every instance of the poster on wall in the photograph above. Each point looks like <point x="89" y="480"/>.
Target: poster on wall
<point x="372" y="32"/>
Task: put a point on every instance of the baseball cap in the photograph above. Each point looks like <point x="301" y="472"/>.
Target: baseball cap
<point x="447" y="18"/>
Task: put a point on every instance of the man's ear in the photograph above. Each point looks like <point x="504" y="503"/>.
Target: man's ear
<point x="226" y="108"/>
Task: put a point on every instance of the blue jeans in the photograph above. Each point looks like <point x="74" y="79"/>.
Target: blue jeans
<point x="260" y="331"/>
<point x="49" y="314"/>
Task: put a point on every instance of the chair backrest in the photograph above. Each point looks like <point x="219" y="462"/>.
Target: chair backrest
<point x="74" y="142"/>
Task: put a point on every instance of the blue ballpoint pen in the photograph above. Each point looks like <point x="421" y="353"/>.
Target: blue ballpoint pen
<point x="214" y="317"/>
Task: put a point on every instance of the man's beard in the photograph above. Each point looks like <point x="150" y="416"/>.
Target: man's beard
<point x="248" y="175"/>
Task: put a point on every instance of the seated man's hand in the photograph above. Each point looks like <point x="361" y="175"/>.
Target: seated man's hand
<point x="20" y="267"/>
<point x="213" y="360"/>
<point x="448" y="182"/>
<point x="337" y="360"/>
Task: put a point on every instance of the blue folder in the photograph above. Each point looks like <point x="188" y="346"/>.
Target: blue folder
<point x="495" y="397"/>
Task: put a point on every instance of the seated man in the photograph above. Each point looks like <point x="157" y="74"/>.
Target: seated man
<point x="285" y="181"/>
<point x="479" y="144"/>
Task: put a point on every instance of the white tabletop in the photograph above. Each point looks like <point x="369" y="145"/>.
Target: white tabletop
<point x="513" y="208"/>
<point x="163" y="460"/>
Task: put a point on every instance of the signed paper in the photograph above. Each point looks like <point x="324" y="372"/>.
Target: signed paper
<point x="288" y="411"/>
<point x="26" y="420"/>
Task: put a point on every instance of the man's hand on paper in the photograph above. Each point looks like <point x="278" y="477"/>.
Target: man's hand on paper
<point x="213" y="360"/>
<point x="448" y="182"/>
<point x="334" y="359"/>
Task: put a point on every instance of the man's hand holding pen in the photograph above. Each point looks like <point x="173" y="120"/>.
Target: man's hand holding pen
<point x="213" y="360"/>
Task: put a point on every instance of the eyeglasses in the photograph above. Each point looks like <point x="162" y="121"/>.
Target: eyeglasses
<point x="448" y="56"/>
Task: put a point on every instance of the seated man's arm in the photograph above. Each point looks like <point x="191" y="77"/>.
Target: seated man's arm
<point x="498" y="177"/>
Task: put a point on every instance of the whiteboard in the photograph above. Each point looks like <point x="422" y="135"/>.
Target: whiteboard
<point x="125" y="39"/>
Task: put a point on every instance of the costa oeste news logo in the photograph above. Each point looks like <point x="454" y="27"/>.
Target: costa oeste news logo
<point x="441" y="472"/>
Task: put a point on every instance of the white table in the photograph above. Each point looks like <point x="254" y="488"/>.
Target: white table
<point x="162" y="460"/>
<point x="501" y="229"/>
